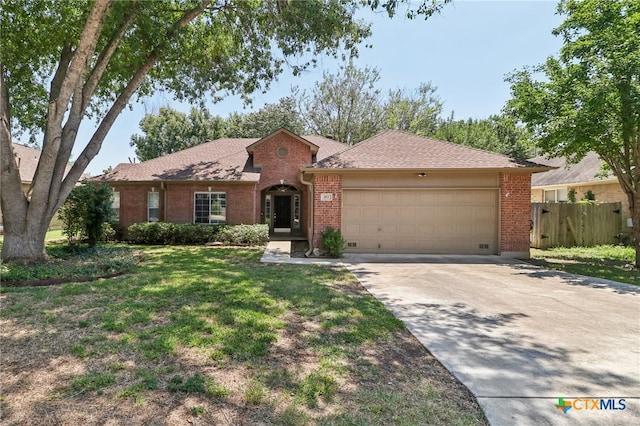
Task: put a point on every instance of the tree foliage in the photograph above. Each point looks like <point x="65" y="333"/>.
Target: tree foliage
<point x="497" y="133"/>
<point x="417" y="111"/>
<point x="589" y="99"/>
<point x="85" y="211"/>
<point x="346" y="105"/>
<point x="61" y="61"/>
<point x="265" y="121"/>
<point x="170" y="131"/>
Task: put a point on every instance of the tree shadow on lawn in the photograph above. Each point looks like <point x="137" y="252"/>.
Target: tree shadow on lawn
<point x="83" y="353"/>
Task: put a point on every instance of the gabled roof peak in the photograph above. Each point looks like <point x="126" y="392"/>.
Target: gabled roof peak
<point x="314" y="148"/>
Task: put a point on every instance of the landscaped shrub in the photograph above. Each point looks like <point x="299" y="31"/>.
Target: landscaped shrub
<point x="243" y="234"/>
<point x="333" y="242"/>
<point x="85" y="211"/>
<point x="193" y="233"/>
<point x="113" y="231"/>
<point x="171" y="233"/>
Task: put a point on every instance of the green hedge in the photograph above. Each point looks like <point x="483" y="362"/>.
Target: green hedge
<point x="243" y="234"/>
<point x="165" y="233"/>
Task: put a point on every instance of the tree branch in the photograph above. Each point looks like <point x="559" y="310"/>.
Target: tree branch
<point x="80" y="102"/>
<point x="63" y="67"/>
<point x="58" y="105"/>
<point x="105" y="56"/>
<point x="95" y="143"/>
<point x="11" y="195"/>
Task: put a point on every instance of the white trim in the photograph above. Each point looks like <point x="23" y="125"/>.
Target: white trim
<point x="156" y="195"/>
<point x="572" y="184"/>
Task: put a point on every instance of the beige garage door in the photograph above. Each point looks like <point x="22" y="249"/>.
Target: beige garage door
<point x="424" y="221"/>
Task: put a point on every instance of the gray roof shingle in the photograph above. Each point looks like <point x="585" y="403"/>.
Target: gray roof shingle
<point x="586" y="170"/>
<point x="224" y="159"/>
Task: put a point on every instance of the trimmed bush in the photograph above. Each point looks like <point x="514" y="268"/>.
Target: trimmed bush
<point x="241" y="235"/>
<point x="171" y="233"/>
<point x="164" y="233"/>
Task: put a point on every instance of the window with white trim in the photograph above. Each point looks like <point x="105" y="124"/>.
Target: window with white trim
<point x="559" y="195"/>
<point x="210" y="208"/>
<point x="153" y="207"/>
<point x="115" y="206"/>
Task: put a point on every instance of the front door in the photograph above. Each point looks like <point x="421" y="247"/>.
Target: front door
<point x="282" y="213"/>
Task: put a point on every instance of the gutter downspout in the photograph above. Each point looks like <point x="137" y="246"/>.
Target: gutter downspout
<point x="310" y="226"/>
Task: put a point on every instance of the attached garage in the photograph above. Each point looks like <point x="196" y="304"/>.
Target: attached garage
<point x="402" y="193"/>
<point x="421" y="221"/>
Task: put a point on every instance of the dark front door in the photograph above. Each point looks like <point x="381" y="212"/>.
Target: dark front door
<point x="282" y="212"/>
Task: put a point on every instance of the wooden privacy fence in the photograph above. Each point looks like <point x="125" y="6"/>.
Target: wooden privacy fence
<point x="570" y="225"/>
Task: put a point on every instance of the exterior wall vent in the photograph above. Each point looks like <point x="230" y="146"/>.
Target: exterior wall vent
<point x="352" y="244"/>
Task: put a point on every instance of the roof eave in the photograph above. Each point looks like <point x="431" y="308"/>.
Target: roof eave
<point x="524" y="170"/>
<point x="182" y="181"/>
<point x="565" y="184"/>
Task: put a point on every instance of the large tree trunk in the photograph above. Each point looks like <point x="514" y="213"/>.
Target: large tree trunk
<point x="26" y="221"/>
<point x="24" y="239"/>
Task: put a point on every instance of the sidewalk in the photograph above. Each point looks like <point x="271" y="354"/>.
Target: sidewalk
<point x="280" y="252"/>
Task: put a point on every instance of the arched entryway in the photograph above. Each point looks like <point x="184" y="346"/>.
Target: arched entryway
<point x="282" y="207"/>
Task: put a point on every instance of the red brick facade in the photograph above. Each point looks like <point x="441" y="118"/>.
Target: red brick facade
<point x="326" y="212"/>
<point x="273" y="167"/>
<point x="515" y="214"/>
<point x="279" y="158"/>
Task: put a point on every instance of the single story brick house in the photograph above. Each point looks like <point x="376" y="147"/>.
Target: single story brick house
<point x="393" y="193"/>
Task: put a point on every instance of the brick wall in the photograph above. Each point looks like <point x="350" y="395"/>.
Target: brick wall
<point x="241" y="203"/>
<point x="276" y="167"/>
<point x="326" y="213"/>
<point x="515" y="214"/>
<point x="242" y="207"/>
<point x="133" y="202"/>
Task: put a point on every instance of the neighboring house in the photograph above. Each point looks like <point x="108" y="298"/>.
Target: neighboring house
<point x="555" y="185"/>
<point x="393" y="193"/>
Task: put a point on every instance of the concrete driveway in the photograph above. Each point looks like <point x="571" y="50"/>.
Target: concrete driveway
<point x="519" y="337"/>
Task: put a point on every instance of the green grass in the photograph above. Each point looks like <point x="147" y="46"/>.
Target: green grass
<point x="607" y="261"/>
<point x="206" y="324"/>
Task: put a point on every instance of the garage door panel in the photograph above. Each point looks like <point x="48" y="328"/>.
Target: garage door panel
<point x="421" y="221"/>
<point x="407" y="198"/>
<point x="425" y="198"/>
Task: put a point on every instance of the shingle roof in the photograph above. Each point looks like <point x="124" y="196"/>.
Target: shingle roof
<point x="224" y="159"/>
<point x="27" y="159"/>
<point x="587" y="170"/>
<point x="399" y="150"/>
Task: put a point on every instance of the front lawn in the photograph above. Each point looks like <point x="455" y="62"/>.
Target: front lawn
<point x="608" y="262"/>
<point x="197" y="335"/>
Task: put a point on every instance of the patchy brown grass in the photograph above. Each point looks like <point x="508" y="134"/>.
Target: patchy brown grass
<point x="143" y="349"/>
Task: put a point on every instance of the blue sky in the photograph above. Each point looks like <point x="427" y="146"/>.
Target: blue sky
<point x="466" y="51"/>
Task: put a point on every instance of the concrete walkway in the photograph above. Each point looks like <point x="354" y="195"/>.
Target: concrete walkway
<point x="519" y="337"/>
